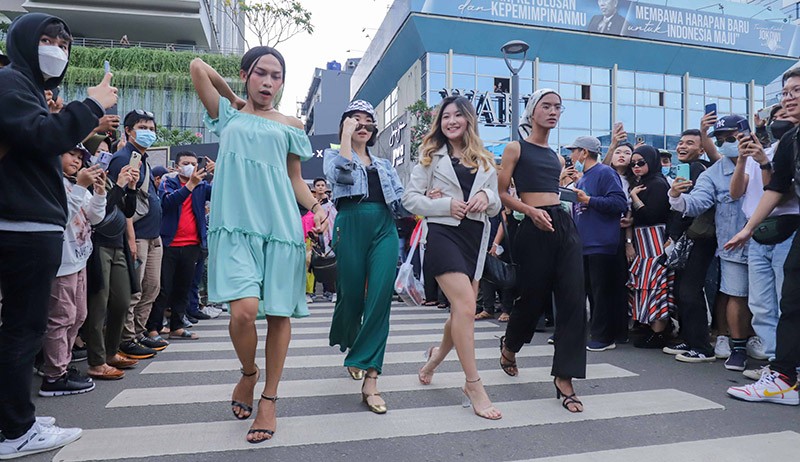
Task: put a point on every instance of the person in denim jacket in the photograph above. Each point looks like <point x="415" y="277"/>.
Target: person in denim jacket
<point x="713" y="190"/>
<point x="366" y="192"/>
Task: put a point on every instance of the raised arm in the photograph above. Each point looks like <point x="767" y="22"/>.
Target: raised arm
<point x="210" y="86"/>
<point x="706" y="142"/>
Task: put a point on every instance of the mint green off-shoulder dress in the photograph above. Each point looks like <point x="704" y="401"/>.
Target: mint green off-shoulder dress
<point x="255" y="237"/>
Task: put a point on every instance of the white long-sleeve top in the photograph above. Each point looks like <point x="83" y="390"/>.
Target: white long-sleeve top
<point x="83" y="211"/>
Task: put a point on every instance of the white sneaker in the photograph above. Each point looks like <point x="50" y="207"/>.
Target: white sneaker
<point x="210" y="312"/>
<point x="755" y="374"/>
<point x="755" y="348"/>
<point x="772" y="387"/>
<point x="309" y="299"/>
<point x="333" y="297"/>
<point x="47" y="421"/>
<point x="722" y="349"/>
<point x="39" y="438"/>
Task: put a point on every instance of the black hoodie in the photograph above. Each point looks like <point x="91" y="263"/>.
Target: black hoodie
<point x="31" y="139"/>
<point x="656" y="209"/>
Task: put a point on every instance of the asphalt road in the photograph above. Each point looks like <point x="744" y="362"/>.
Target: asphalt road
<point x="176" y="405"/>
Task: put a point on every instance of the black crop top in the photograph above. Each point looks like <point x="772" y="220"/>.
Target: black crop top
<point x="537" y="170"/>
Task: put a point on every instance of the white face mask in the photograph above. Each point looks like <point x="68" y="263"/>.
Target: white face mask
<point x="52" y="61"/>
<point x="729" y="149"/>
<point x="187" y="170"/>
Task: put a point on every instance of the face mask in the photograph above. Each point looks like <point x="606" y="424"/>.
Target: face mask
<point x="665" y="170"/>
<point x="730" y="149"/>
<point x="187" y="170"/>
<point x="578" y="166"/>
<point x="52" y="61"/>
<point x="779" y="128"/>
<point x="145" y="138"/>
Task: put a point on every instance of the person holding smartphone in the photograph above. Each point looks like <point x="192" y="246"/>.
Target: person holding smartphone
<point x="33" y="213"/>
<point x="712" y="191"/>
<point x="367" y="193"/>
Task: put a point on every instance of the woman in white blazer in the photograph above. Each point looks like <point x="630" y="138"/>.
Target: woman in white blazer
<point x="455" y="187"/>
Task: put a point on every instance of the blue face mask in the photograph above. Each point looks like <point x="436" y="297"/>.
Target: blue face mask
<point x="730" y="149"/>
<point x="578" y="166"/>
<point x="665" y="171"/>
<point x="145" y="138"/>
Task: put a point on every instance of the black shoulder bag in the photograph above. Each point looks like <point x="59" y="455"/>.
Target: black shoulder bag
<point x="501" y="274"/>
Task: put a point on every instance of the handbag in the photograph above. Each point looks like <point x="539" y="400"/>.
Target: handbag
<point x="143" y="196"/>
<point x="775" y="230"/>
<point x="323" y="262"/>
<point x="679" y="256"/>
<point x="410" y="289"/>
<point x="501" y="274"/>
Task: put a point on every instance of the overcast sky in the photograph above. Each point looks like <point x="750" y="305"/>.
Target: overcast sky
<point x="339" y="26"/>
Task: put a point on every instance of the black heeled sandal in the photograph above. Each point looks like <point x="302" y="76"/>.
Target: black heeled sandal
<point x="239" y="406"/>
<point x="571" y="399"/>
<point x="269" y="433"/>
<point x="507" y="367"/>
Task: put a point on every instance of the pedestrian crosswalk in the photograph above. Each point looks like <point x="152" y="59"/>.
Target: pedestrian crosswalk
<point x="202" y="373"/>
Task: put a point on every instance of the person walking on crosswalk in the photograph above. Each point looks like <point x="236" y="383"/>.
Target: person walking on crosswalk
<point x="255" y="240"/>
<point x="366" y="190"/>
<point x="548" y="250"/>
<point x="455" y="187"/>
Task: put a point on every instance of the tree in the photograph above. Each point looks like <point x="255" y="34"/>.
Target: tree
<point x="175" y="137"/>
<point x="273" y="21"/>
<point x="422" y="116"/>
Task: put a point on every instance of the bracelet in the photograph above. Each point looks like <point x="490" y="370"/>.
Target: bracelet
<point x="766" y="166"/>
<point x="638" y="205"/>
<point x="315" y="204"/>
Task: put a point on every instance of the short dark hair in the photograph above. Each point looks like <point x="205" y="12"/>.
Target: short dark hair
<point x="137" y="115"/>
<point x="56" y="29"/>
<point x="691" y="132"/>
<point x="184" y="154"/>
<point x="317" y="180"/>
<point x="793" y="72"/>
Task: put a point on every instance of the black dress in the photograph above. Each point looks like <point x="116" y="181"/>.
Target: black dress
<point x="455" y="249"/>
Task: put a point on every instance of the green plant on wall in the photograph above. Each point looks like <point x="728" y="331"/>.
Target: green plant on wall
<point x="173" y="137"/>
<point x="422" y="116"/>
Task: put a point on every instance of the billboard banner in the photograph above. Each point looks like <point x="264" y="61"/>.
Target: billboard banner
<point x="631" y="19"/>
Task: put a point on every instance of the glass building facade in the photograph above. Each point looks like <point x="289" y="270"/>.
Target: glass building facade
<point x="655" y="107"/>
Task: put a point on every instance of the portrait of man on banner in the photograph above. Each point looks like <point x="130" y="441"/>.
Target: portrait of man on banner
<point x="609" y="21"/>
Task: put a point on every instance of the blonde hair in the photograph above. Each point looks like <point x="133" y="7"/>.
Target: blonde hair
<point x="474" y="154"/>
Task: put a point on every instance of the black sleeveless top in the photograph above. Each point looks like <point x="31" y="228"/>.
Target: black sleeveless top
<point x="537" y="170"/>
<point x="466" y="178"/>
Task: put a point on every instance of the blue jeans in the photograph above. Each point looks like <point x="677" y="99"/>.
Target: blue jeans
<point x="765" y="272"/>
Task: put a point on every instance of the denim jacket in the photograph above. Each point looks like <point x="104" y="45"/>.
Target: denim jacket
<point x="349" y="178"/>
<point x="713" y="187"/>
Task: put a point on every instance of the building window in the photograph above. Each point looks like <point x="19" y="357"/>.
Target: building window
<point x="390" y="108"/>
<point x="586" y="92"/>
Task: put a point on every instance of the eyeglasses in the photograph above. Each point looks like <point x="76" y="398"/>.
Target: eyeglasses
<point x="638" y="163"/>
<point x="790" y="94"/>
<point x="142" y="112"/>
<point x="728" y="139"/>
<point x="558" y="107"/>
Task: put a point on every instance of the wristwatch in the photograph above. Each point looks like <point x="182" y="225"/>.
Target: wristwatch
<point x="766" y="166"/>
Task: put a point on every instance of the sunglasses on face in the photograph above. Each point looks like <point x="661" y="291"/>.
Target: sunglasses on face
<point x="369" y="127"/>
<point x="720" y="141"/>
<point x="638" y="163"/>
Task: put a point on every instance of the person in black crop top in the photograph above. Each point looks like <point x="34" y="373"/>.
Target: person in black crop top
<point x="547" y="249"/>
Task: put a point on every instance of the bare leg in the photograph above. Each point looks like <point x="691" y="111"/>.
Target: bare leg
<point x="242" y="329"/>
<point x="437" y="354"/>
<point x="456" y="287"/>
<point x="279" y="332"/>
<point x="721" y="314"/>
<point x="739" y="317"/>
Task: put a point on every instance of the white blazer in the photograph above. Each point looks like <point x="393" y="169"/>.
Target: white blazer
<point x="441" y="175"/>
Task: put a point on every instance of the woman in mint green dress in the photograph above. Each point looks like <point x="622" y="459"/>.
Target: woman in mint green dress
<point x="255" y="238"/>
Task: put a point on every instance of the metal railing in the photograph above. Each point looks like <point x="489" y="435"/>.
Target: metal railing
<point x="119" y="43"/>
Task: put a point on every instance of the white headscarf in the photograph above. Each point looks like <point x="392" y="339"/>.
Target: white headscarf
<point x="525" y="121"/>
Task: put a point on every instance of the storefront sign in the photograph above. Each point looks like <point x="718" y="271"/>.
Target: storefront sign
<point x="394" y="143"/>
<point x="632" y="19"/>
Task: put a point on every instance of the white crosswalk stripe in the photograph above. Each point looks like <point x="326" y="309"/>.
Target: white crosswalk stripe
<point x="413" y="330"/>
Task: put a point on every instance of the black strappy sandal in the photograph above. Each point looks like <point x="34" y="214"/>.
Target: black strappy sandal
<point x="571" y="399"/>
<point x="269" y="433"/>
<point x="509" y="365"/>
<point x="241" y="406"/>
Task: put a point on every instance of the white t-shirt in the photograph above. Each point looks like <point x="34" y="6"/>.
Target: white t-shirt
<point x="755" y="189"/>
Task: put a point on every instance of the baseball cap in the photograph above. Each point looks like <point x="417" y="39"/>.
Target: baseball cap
<point x="728" y="123"/>
<point x="664" y="153"/>
<point x="589" y="143"/>
<point x="159" y="170"/>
